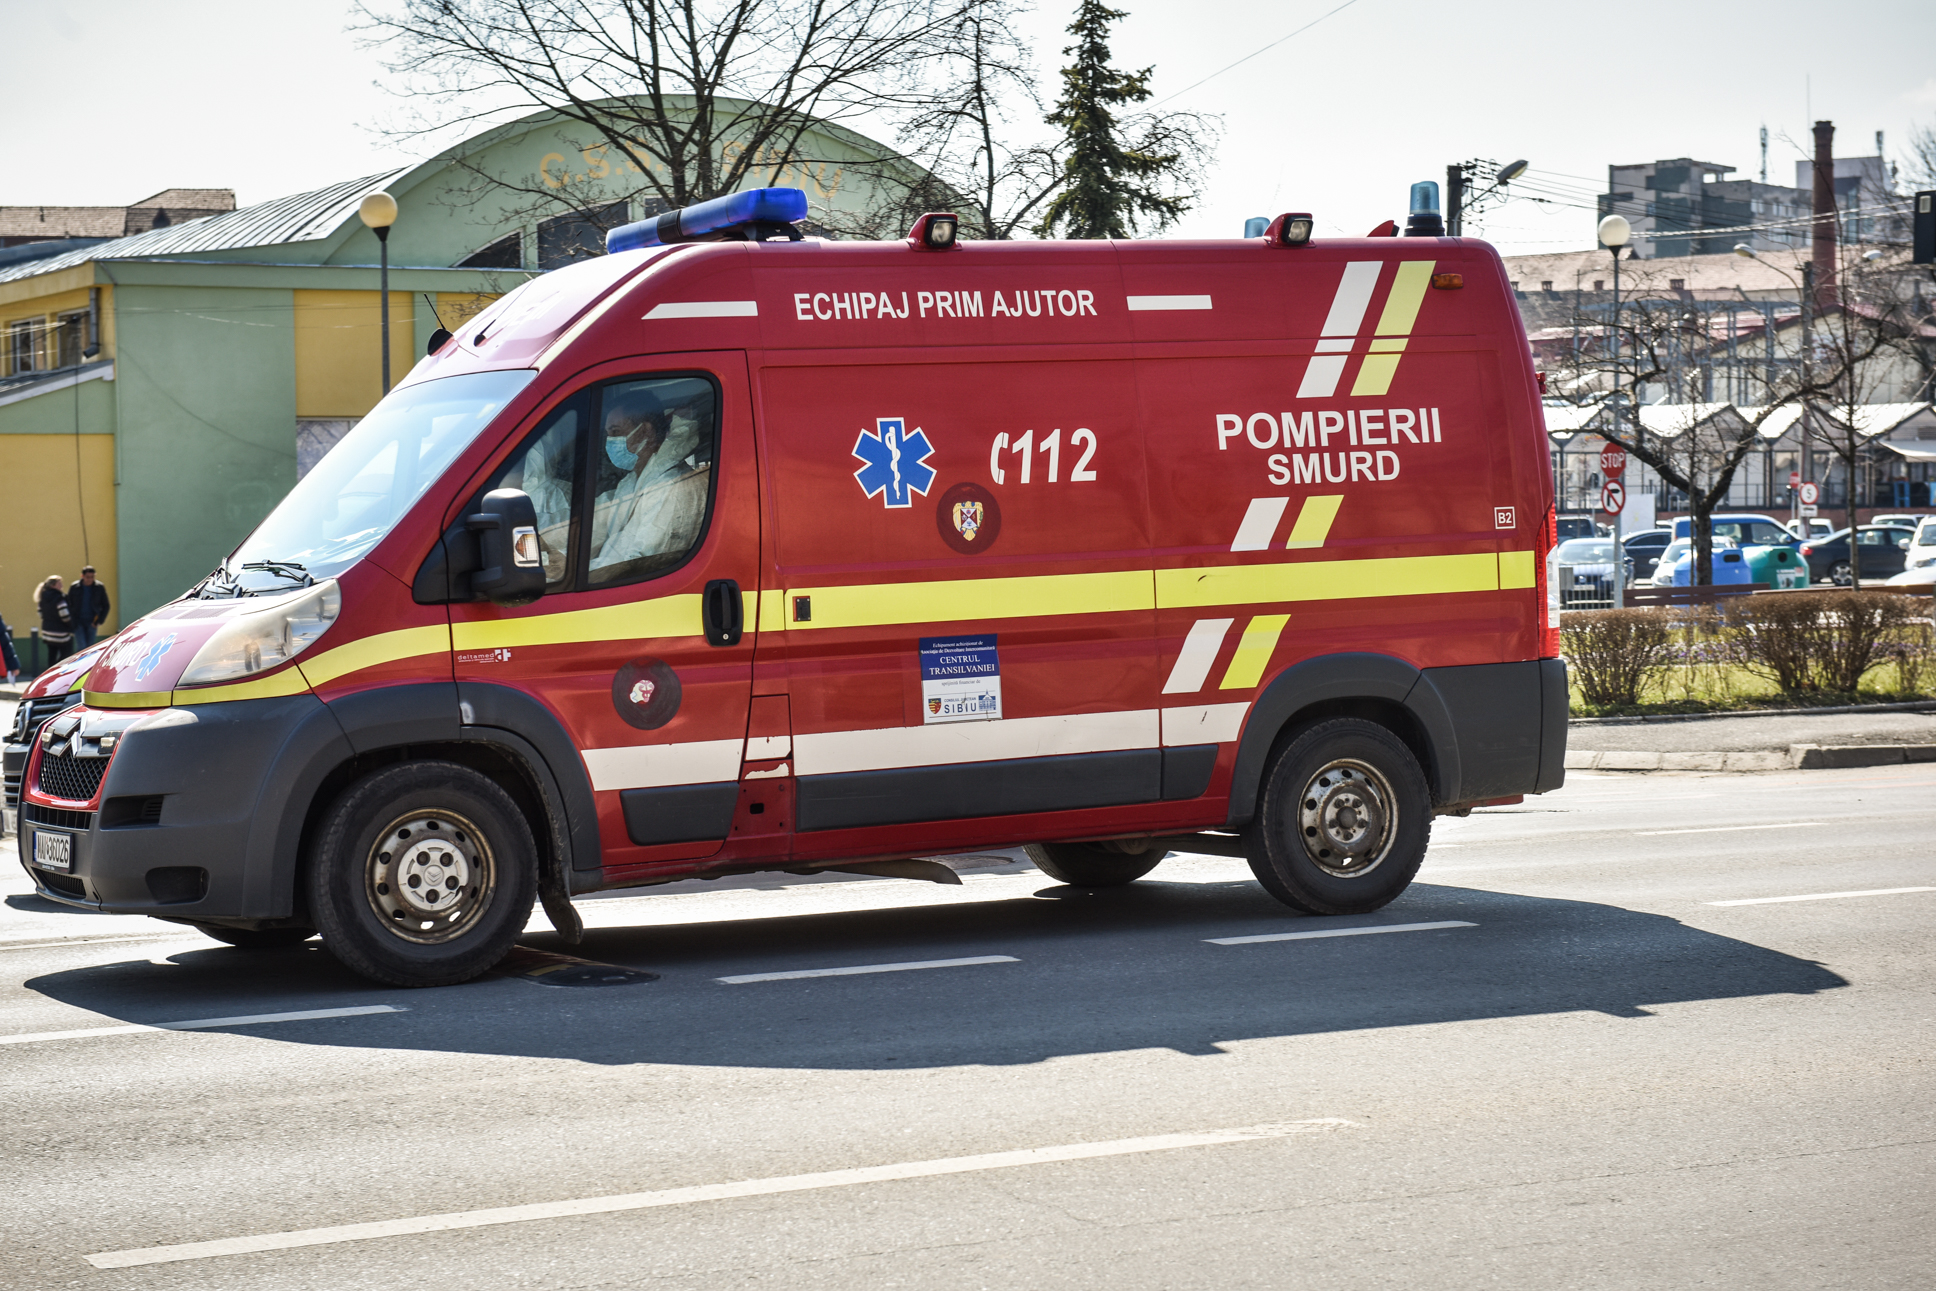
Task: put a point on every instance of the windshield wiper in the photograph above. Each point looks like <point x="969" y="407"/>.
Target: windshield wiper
<point x="288" y="569"/>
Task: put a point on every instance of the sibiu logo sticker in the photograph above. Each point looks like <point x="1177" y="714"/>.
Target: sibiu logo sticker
<point x="151" y="657"/>
<point x="894" y="461"/>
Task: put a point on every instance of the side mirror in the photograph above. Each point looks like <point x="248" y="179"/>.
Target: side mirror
<point x="506" y="525"/>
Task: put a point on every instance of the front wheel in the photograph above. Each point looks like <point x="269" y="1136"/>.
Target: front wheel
<point x="423" y="874"/>
<point x="1343" y="819"/>
<point x="1092" y="865"/>
<point x="1840" y="574"/>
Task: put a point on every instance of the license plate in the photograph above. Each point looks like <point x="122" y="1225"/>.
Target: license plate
<point x="53" y="851"/>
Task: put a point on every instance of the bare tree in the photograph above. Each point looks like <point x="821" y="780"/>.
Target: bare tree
<point x="676" y="101"/>
<point x="1657" y="342"/>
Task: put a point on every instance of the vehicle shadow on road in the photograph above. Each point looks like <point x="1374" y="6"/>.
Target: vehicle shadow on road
<point x="1123" y="969"/>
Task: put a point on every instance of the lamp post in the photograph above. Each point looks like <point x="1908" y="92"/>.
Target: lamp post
<point x="1614" y="234"/>
<point x="379" y="211"/>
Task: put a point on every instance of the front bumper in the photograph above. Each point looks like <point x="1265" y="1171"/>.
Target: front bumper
<point x="198" y="816"/>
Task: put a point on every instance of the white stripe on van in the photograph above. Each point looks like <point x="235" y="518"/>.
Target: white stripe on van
<point x="1340" y="326"/>
<point x="1138" y="303"/>
<point x="649" y="766"/>
<point x="1199" y="651"/>
<point x="1204" y="723"/>
<point x="1260" y="524"/>
<point x="705" y="309"/>
<point x="830" y="752"/>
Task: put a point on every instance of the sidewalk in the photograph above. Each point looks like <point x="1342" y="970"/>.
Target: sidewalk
<point x="1764" y="742"/>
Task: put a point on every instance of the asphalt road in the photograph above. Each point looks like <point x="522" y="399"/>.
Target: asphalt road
<point x="1595" y="1077"/>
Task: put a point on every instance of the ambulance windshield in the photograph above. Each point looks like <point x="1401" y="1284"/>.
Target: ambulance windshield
<point x="362" y="486"/>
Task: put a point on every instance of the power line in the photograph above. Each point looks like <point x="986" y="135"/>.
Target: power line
<point x="1254" y="53"/>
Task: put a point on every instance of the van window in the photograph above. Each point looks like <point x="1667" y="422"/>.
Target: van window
<point x="651" y="476"/>
<point x="546" y="468"/>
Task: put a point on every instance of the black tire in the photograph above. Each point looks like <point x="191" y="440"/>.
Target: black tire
<point x="422" y="874"/>
<point x="1840" y="574"/>
<point x="257" y="938"/>
<point x="1343" y="819"/>
<point x="1092" y="865"/>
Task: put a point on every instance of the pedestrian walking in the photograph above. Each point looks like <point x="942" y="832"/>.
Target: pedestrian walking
<point x="87" y="600"/>
<point x="56" y="620"/>
<point x="9" y="658"/>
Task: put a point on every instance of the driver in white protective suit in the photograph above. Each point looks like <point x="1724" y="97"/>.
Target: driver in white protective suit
<point x="657" y="507"/>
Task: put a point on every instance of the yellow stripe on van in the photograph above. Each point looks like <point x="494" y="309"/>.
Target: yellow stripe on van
<point x="290" y="681"/>
<point x="1254" y="650"/>
<point x="373" y="651"/>
<point x="1037" y="596"/>
<point x="1380" y="364"/>
<point x="125" y="698"/>
<point x="1516" y="570"/>
<point x="1314" y="521"/>
<point x="664" y="616"/>
<point x="1328" y="580"/>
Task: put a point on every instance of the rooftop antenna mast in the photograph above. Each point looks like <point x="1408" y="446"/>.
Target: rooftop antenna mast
<point x="1764" y="154"/>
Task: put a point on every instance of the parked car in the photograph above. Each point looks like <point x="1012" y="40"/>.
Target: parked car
<point x="1742" y="530"/>
<point x="1587" y="572"/>
<point x="1920" y="579"/>
<point x="1885" y="548"/>
<point x="1577" y="527"/>
<point x="1898" y="521"/>
<point x="1644" y="548"/>
<point x="1922" y="547"/>
<point x="1809" y="527"/>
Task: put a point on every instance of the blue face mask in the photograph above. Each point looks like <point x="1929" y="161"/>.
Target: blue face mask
<point x="621" y="456"/>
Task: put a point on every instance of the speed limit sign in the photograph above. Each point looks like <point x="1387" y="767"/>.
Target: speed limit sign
<point x="1811" y="493"/>
<point x="1613" y="497"/>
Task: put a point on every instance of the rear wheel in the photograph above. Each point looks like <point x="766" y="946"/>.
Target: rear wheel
<point x="1092" y="865"/>
<point x="1840" y="574"/>
<point x="423" y="874"/>
<point x="257" y="938"/>
<point x="1343" y="819"/>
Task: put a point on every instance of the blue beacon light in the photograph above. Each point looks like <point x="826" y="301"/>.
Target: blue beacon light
<point x="775" y="206"/>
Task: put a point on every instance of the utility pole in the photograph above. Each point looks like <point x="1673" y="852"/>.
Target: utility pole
<point x="1455" y="200"/>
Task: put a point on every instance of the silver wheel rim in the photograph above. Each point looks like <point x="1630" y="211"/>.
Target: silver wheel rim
<point x="430" y="877"/>
<point x="1346" y="817"/>
<point x="1840" y="576"/>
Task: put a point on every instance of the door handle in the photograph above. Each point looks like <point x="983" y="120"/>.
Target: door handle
<point x="723" y="611"/>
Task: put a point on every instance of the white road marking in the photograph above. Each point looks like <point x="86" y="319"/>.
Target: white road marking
<point x="201" y="1024"/>
<point x="65" y="942"/>
<point x="1728" y="829"/>
<point x="1820" y="896"/>
<point x="703" y="1192"/>
<point x="1338" y="932"/>
<point x="868" y="968"/>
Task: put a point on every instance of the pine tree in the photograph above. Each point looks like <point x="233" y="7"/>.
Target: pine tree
<point x="1112" y="185"/>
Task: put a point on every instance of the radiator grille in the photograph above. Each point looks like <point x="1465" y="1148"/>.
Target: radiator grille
<point x="57" y="816"/>
<point x="70" y="777"/>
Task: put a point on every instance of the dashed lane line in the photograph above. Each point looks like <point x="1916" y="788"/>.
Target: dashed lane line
<point x="1338" y="932"/>
<point x="702" y="1193"/>
<point x="1820" y="896"/>
<point x="1728" y="829"/>
<point x="201" y="1024"/>
<point x="858" y="969"/>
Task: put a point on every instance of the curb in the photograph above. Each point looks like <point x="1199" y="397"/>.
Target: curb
<point x="1910" y="706"/>
<point x="1805" y="757"/>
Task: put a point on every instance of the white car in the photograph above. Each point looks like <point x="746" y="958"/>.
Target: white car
<point x="1922" y="547"/>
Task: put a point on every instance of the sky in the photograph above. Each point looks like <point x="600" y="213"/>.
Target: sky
<point x="115" y="100"/>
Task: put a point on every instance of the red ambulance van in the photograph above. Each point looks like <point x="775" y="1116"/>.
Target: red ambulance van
<point x="758" y="553"/>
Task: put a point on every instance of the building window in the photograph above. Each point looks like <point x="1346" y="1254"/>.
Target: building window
<point x="567" y="239"/>
<point x="505" y="253"/>
<point x="1677" y="284"/>
<point x="23" y="348"/>
<point x="71" y="340"/>
<point x="1546" y="285"/>
<point x="1599" y="284"/>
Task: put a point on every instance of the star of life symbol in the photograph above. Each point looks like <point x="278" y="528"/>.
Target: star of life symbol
<point x="895" y="461"/>
<point x="151" y="658"/>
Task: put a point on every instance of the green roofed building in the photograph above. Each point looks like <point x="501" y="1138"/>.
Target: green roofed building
<point x="160" y="392"/>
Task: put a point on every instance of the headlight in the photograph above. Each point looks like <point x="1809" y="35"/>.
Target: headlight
<point x="264" y="638"/>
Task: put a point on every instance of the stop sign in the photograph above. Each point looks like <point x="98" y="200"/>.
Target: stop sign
<point x="1794" y="478"/>
<point x="1613" y="462"/>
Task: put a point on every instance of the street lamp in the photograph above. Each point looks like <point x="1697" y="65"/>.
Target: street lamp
<point x="1615" y="232"/>
<point x="379" y="211"/>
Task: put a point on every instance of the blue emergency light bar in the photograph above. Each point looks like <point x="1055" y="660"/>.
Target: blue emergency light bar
<point x="754" y="207"/>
